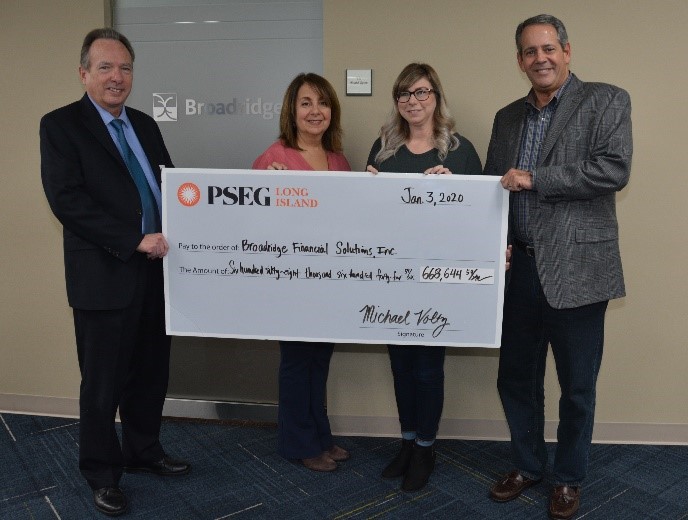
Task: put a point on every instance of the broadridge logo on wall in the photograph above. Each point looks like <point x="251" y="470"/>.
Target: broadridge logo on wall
<point x="165" y="107"/>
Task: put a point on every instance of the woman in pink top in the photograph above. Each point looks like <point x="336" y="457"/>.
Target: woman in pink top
<point x="310" y="139"/>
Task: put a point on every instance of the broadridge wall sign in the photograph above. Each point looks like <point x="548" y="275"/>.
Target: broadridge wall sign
<point x="166" y="107"/>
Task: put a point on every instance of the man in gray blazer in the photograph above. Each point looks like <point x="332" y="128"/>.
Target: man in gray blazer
<point x="563" y="152"/>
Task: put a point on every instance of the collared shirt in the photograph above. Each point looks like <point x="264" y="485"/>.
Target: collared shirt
<point x="535" y="126"/>
<point x="135" y="146"/>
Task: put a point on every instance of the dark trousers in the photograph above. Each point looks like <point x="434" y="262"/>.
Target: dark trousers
<point x="303" y="429"/>
<point x="418" y="387"/>
<point x="576" y="335"/>
<point x="124" y="361"/>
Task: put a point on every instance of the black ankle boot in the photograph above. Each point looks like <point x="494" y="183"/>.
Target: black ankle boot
<point x="400" y="463"/>
<point x="421" y="467"/>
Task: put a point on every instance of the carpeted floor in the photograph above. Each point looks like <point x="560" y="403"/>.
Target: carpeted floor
<point x="237" y="474"/>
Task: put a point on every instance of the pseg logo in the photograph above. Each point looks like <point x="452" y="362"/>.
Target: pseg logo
<point x="165" y="107"/>
<point x="189" y="195"/>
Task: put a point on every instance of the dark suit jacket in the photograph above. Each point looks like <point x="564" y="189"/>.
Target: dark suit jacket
<point x="93" y="195"/>
<point x="585" y="160"/>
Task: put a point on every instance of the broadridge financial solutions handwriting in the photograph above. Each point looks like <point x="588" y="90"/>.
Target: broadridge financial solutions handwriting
<point x="345" y="257"/>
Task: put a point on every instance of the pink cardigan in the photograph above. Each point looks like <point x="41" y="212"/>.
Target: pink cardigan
<point x="277" y="152"/>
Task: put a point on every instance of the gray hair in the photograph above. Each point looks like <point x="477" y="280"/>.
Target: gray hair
<point x="542" y="19"/>
<point x="106" y="33"/>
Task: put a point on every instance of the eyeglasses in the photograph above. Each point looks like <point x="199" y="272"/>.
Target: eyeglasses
<point x="421" y="94"/>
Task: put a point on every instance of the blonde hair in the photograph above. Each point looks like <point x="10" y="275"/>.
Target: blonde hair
<point x="395" y="132"/>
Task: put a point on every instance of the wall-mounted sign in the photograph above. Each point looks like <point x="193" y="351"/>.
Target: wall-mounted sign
<point x="359" y="82"/>
<point x="206" y="84"/>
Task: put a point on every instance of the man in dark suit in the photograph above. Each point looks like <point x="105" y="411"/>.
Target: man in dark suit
<point x="100" y="166"/>
<point x="563" y="152"/>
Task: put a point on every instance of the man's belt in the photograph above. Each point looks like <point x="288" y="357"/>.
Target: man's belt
<point x="523" y="246"/>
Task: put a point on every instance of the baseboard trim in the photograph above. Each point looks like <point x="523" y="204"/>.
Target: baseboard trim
<point x="449" y="428"/>
<point x="497" y="430"/>
<point x="39" y="405"/>
<point x="180" y="408"/>
<point x="347" y="425"/>
<point x="220" y="410"/>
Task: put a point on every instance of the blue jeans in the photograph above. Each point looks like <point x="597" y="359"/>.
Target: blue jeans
<point x="303" y="429"/>
<point x="418" y="387"/>
<point x="576" y="336"/>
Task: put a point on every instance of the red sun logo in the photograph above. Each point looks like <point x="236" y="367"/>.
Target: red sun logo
<point x="189" y="194"/>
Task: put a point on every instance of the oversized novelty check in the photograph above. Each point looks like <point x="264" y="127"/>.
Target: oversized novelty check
<point x="335" y="256"/>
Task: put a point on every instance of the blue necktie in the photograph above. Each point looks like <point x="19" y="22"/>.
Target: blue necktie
<point x="151" y="220"/>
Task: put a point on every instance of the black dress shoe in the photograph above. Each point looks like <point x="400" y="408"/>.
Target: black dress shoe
<point x="165" y="467"/>
<point x="110" y="500"/>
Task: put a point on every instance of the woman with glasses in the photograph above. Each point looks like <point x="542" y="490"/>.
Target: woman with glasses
<point x="419" y="137"/>
<point x="310" y="139"/>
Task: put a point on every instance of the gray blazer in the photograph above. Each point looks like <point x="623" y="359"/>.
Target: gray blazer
<point x="585" y="160"/>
